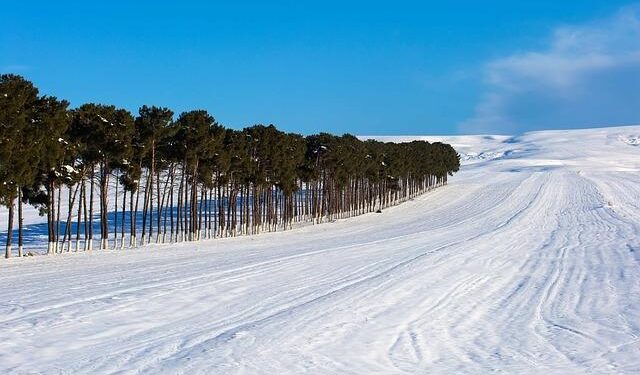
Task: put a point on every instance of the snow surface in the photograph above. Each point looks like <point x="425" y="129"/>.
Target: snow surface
<point x="528" y="262"/>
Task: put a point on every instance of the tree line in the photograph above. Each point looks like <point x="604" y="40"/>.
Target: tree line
<point x="154" y="178"/>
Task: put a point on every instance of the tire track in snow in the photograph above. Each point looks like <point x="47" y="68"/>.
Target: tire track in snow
<point x="535" y="272"/>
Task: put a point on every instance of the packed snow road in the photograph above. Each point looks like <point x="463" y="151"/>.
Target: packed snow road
<point x="528" y="262"/>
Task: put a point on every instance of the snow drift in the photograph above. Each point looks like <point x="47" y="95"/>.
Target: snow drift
<point x="528" y="262"/>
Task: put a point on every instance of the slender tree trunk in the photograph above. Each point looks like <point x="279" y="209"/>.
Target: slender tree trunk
<point x="104" y="209"/>
<point x="7" y="253"/>
<point x="162" y="214"/>
<point x="205" y="213"/>
<point x="124" y="206"/>
<point x="67" y="228"/>
<point x="171" y="204"/>
<point x="219" y="212"/>
<point x="20" y="224"/>
<point x="151" y="176"/>
<point x="200" y="213"/>
<point x="210" y="209"/>
<point x="91" y="186"/>
<point x="115" y="214"/>
<point x="187" y="209"/>
<point x="80" y="199"/>
<point x="84" y="209"/>
<point x="133" y="214"/>
<point x="160" y="202"/>
<point x="134" y="220"/>
<point x="58" y="219"/>
<point x="145" y="205"/>
<point x="50" y="228"/>
<point x="179" y="208"/>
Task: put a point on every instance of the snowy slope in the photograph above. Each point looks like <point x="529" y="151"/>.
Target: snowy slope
<point x="471" y="148"/>
<point x="528" y="262"/>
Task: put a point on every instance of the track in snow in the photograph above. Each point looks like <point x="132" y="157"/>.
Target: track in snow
<point x="526" y="263"/>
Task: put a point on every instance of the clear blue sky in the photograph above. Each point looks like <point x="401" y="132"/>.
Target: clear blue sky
<point x="362" y="67"/>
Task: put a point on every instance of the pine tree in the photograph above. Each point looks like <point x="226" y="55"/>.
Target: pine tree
<point x="197" y="133"/>
<point x="225" y="182"/>
<point x="18" y="149"/>
<point x="57" y="157"/>
<point x="106" y="133"/>
<point x="153" y="126"/>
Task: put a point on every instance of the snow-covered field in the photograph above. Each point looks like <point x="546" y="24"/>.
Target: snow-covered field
<point x="527" y="262"/>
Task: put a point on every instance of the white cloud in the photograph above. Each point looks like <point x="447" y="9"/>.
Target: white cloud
<point x="588" y="75"/>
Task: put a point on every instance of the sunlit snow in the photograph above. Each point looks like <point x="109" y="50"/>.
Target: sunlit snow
<point x="528" y="262"/>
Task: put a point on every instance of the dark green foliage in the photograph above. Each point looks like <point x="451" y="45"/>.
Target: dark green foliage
<point x="20" y="146"/>
<point x="105" y="133"/>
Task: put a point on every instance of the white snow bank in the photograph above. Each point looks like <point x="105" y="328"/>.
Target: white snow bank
<point x="524" y="264"/>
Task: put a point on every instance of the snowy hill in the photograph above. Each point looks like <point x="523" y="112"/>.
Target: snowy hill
<point x="527" y="262"/>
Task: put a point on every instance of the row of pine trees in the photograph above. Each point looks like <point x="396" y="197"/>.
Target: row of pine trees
<point x="155" y="178"/>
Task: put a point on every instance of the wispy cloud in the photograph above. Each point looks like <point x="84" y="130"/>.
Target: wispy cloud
<point x="587" y="75"/>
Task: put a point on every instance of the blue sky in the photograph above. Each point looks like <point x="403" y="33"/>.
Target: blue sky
<point x="362" y="67"/>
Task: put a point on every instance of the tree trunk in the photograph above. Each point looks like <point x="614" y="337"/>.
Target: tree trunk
<point x="80" y="198"/>
<point x="145" y="205"/>
<point x="171" y="204"/>
<point x="50" y="217"/>
<point x="91" y="186"/>
<point x="67" y="228"/>
<point x="151" y="176"/>
<point x="124" y="207"/>
<point x="20" y="223"/>
<point x="7" y="253"/>
<point x="179" y="207"/>
<point x="84" y="209"/>
<point x="104" y="227"/>
<point x="134" y="218"/>
<point x="58" y="219"/>
<point x="115" y="214"/>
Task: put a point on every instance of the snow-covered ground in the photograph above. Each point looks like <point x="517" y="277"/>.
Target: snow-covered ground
<point x="527" y="262"/>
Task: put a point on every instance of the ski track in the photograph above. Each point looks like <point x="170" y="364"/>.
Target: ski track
<point x="524" y="264"/>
